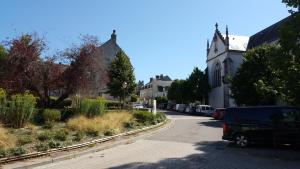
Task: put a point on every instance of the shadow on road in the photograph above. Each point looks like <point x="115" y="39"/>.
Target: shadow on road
<point x="212" y="123"/>
<point x="220" y="156"/>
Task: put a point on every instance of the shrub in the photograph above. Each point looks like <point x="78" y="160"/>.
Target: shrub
<point x="160" y="117"/>
<point x="20" y="109"/>
<point x="67" y="113"/>
<point x="51" y="115"/>
<point x="110" y="105"/>
<point x="61" y="134"/>
<point x="3" y="153"/>
<point x="54" y="144"/>
<point x="42" y="147"/>
<point x="6" y="140"/>
<point x="92" y="133"/>
<point x="130" y="124"/>
<point x="3" y="105"/>
<point x="44" y="136"/>
<point x="90" y="107"/>
<point x="144" y="117"/>
<point x="25" y="139"/>
<point x="133" y="98"/>
<point x="78" y="136"/>
<point x="16" y="151"/>
<point x="110" y="132"/>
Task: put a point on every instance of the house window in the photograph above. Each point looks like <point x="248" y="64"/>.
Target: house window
<point x="216" y="81"/>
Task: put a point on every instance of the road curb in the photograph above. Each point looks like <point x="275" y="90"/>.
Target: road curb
<point x="81" y="145"/>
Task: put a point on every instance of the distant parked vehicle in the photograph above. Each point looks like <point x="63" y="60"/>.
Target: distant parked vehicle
<point x="170" y="106"/>
<point x="137" y="106"/>
<point x="190" y="109"/>
<point x="218" y="114"/>
<point x="205" y="110"/>
<point x="162" y="106"/>
<point x="277" y="125"/>
<point x="180" y="107"/>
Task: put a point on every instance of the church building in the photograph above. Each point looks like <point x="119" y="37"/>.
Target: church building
<point x="224" y="56"/>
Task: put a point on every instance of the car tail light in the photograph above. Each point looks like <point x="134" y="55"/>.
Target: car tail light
<point x="225" y="128"/>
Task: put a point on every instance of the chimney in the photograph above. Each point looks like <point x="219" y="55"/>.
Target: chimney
<point x="114" y="36"/>
<point x="151" y="79"/>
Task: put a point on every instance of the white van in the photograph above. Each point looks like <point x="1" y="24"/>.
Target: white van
<point x="206" y="110"/>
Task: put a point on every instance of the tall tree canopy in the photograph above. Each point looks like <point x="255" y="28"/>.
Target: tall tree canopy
<point x="194" y="88"/>
<point x="255" y="82"/>
<point x="26" y="69"/>
<point x="121" y="77"/>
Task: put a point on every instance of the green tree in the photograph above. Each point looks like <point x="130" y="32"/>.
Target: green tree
<point x="161" y="99"/>
<point x="288" y="65"/>
<point x="256" y="82"/>
<point x="121" y="77"/>
<point x="3" y="55"/>
<point x="175" y="91"/>
<point x="197" y="85"/>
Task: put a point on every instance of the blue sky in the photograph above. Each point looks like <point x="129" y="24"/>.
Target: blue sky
<point x="160" y="36"/>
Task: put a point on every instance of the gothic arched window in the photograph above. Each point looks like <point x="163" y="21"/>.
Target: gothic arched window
<point x="228" y="66"/>
<point x="216" y="81"/>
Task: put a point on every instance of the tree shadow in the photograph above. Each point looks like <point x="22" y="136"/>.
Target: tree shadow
<point x="211" y="123"/>
<point x="216" y="154"/>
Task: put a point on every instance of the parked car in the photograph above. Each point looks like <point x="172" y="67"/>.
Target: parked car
<point x="180" y="107"/>
<point x="218" y="114"/>
<point x="137" y="106"/>
<point x="162" y="106"/>
<point x="274" y="124"/>
<point x="190" y="109"/>
<point x="205" y="110"/>
<point x="170" y="106"/>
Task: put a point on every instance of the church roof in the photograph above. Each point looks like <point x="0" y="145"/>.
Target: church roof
<point x="268" y="35"/>
<point x="238" y="43"/>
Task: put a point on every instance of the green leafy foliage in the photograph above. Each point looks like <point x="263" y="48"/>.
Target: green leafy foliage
<point x="3" y="153"/>
<point x="19" y="110"/>
<point x="194" y="88"/>
<point x="44" y="136"/>
<point x="133" y="98"/>
<point x="25" y="139"/>
<point x="161" y="99"/>
<point x="256" y="82"/>
<point x="16" y="151"/>
<point x="90" y="107"/>
<point x="42" y="147"/>
<point x="148" y="118"/>
<point x="51" y="115"/>
<point x="61" y="135"/>
<point x="121" y="77"/>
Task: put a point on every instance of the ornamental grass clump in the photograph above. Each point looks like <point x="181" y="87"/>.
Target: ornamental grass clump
<point x="101" y="124"/>
<point x="50" y="116"/>
<point x="19" y="110"/>
<point x="89" y="107"/>
<point x="6" y="140"/>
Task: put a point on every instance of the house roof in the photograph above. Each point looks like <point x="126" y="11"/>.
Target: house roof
<point x="268" y="35"/>
<point x="238" y="43"/>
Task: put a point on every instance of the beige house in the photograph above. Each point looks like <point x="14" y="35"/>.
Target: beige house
<point x="156" y="87"/>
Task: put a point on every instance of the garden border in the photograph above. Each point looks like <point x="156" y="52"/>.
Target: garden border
<point x="80" y="145"/>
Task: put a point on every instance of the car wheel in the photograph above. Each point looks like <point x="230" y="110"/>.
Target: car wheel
<point x="241" y="140"/>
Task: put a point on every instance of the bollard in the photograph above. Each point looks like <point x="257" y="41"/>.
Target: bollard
<point x="154" y="107"/>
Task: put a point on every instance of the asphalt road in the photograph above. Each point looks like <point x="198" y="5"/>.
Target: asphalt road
<point x="189" y="142"/>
